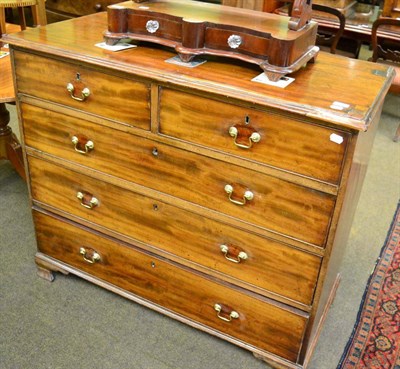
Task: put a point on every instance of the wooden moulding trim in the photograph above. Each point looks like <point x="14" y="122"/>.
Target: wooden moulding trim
<point x="56" y="265"/>
<point x="328" y="116"/>
<point x="337" y="118"/>
<point x="154" y="135"/>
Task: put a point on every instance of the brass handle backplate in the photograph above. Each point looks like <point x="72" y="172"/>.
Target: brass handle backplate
<point x="82" y="144"/>
<point x="88" y="201"/>
<point x="239" y="257"/>
<point x="89" y="255"/>
<point x="244" y="136"/>
<point x="224" y="314"/>
<point x="85" y="92"/>
<point x="247" y="195"/>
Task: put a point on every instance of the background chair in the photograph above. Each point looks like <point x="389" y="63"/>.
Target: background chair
<point x="330" y="40"/>
<point x="37" y="7"/>
<point x="334" y="42"/>
<point x="387" y="52"/>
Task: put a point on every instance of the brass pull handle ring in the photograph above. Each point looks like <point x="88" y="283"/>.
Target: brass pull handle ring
<point x="247" y="196"/>
<point x="232" y="315"/>
<point x="252" y="138"/>
<point x="241" y="256"/>
<point x="84" y="94"/>
<point x="90" y="255"/>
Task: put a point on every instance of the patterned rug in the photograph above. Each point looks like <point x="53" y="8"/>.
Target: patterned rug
<point x="375" y="341"/>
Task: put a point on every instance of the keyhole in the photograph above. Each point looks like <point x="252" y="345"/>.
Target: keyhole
<point x="153" y="264"/>
<point x="78" y="76"/>
<point x="247" y="120"/>
<point x="155" y="207"/>
<point x="155" y="151"/>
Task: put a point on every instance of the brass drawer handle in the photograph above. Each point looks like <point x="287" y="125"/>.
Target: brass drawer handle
<point x="90" y="255"/>
<point x="224" y="310"/>
<point x="247" y="196"/>
<point x="88" y="201"/>
<point x="239" y="131"/>
<point x="240" y="256"/>
<point x="87" y="144"/>
<point x="84" y="94"/>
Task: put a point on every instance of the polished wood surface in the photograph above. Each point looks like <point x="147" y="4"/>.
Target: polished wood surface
<point x="301" y="97"/>
<point x="260" y="323"/>
<point x="134" y="196"/>
<point x="10" y="148"/>
<point x="391" y="8"/>
<point x="186" y="175"/>
<point x="267" y="260"/>
<point x="197" y="119"/>
<point x="108" y="94"/>
<point x="278" y="45"/>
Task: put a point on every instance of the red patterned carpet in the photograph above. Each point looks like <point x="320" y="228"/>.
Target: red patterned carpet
<point x="375" y="341"/>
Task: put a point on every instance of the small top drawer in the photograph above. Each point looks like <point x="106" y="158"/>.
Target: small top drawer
<point x="265" y="137"/>
<point x="109" y="96"/>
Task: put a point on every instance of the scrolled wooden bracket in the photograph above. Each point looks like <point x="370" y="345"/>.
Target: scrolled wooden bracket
<point x="300" y="14"/>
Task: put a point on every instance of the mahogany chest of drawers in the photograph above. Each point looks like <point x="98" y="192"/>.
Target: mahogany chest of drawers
<point x="218" y="201"/>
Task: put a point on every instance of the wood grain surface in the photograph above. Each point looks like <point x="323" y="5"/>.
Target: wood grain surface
<point x="261" y="322"/>
<point x="306" y="149"/>
<point x="312" y="94"/>
<point x="180" y="232"/>
<point x="122" y="99"/>
<point x="186" y="175"/>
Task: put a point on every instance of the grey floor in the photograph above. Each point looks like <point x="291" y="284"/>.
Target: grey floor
<point x="72" y="324"/>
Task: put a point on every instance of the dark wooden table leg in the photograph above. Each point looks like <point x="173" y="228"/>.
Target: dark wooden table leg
<point x="10" y="147"/>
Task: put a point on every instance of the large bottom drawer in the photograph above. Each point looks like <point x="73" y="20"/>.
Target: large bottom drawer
<point x="251" y="319"/>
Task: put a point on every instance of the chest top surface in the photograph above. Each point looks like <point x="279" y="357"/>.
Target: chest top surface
<point x="319" y="89"/>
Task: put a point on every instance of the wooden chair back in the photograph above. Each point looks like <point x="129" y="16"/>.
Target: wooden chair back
<point x="387" y="52"/>
<point x="330" y="40"/>
<point x="38" y="12"/>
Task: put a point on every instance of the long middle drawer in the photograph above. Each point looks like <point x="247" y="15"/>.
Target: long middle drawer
<point x="261" y="263"/>
<point x="250" y="196"/>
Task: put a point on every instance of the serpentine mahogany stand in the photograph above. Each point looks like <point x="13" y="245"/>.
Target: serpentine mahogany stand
<point x="279" y="45"/>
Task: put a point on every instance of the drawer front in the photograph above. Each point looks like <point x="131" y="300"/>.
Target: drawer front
<point x="259" y="262"/>
<point x="276" y="204"/>
<point x="283" y="142"/>
<point x="156" y="25"/>
<point x="258" y="323"/>
<point x="236" y="41"/>
<point x="112" y="97"/>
